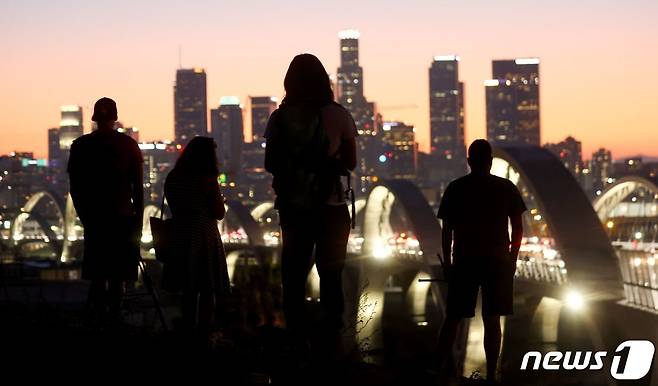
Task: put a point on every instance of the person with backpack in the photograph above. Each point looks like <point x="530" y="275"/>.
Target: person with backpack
<point x="310" y="147"/>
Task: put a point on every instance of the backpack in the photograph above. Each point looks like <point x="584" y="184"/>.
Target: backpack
<point x="306" y="176"/>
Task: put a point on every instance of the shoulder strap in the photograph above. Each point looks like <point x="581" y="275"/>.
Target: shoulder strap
<point x="353" y="203"/>
<point x="162" y="205"/>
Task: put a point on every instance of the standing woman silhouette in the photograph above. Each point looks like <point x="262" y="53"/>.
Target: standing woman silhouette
<point x="310" y="144"/>
<point x="196" y="205"/>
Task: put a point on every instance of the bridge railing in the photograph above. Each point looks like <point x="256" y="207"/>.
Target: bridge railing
<point x="540" y="261"/>
<point x="640" y="274"/>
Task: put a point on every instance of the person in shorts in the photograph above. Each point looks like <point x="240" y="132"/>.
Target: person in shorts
<point x="105" y="170"/>
<point x="475" y="211"/>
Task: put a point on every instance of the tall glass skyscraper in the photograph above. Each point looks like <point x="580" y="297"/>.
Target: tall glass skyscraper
<point x="447" y="146"/>
<point x="227" y="130"/>
<point x="513" y="102"/>
<point x="261" y="108"/>
<point x="190" y="104"/>
<point x="350" y="95"/>
<point x="70" y="126"/>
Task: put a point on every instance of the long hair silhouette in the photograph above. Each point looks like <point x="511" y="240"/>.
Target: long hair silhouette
<point x="307" y="82"/>
<point x="199" y="157"/>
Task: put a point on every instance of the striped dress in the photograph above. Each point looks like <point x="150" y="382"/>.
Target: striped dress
<point x="196" y="205"/>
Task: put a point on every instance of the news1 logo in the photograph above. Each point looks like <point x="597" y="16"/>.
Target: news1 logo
<point x="631" y="360"/>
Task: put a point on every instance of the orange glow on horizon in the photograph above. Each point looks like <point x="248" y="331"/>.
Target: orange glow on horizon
<point x="597" y="74"/>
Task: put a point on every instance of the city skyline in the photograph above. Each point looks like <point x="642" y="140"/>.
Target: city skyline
<point x="582" y="63"/>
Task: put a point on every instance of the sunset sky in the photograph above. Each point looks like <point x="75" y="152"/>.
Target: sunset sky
<point x="598" y="72"/>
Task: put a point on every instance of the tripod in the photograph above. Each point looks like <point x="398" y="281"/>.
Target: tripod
<point x="148" y="283"/>
<point x="444" y="269"/>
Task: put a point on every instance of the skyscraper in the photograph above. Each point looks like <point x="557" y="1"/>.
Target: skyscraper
<point x="350" y="95"/>
<point x="569" y="152"/>
<point x="227" y="130"/>
<point x="255" y="181"/>
<point x="446" y="120"/>
<point x="159" y="158"/>
<point x="261" y="108"/>
<point x="601" y="168"/>
<point x="56" y="165"/>
<point x="513" y="102"/>
<point x="54" y="153"/>
<point x="190" y="104"/>
<point x="350" y="74"/>
<point x="70" y="127"/>
<point x="400" y="150"/>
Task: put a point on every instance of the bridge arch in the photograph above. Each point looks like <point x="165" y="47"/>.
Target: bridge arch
<point x="261" y="209"/>
<point x="628" y="208"/>
<point x="70" y="233"/>
<point x="246" y="221"/>
<point x="27" y="212"/>
<point x="619" y="191"/>
<point x="577" y="232"/>
<point x="391" y="263"/>
<point x="420" y="216"/>
<point x="150" y="210"/>
<point x="55" y="235"/>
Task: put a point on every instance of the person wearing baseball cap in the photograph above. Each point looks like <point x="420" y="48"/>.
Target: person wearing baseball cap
<point x="105" y="110"/>
<point x="105" y="171"/>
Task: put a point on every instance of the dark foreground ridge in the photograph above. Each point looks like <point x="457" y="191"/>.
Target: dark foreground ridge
<point x="46" y="330"/>
<point x="38" y="332"/>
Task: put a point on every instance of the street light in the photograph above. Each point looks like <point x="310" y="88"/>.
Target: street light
<point x="574" y="300"/>
<point x="381" y="250"/>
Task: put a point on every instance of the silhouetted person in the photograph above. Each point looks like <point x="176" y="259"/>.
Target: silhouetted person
<point x="310" y="144"/>
<point x="105" y="170"/>
<point x="477" y="250"/>
<point x="199" y="267"/>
